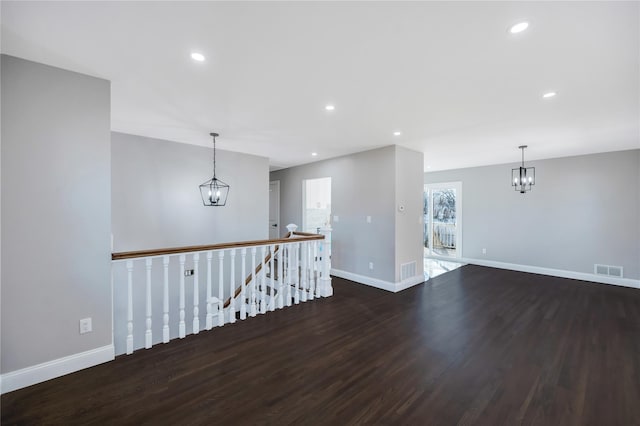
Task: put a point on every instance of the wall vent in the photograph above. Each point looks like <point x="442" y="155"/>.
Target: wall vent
<point x="608" y="270"/>
<point x="407" y="270"/>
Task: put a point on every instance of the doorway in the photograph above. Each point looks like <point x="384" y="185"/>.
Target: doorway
<point x="316" y="204"/>
<point x="443" y="220"/>
<point x="274" y="210"/>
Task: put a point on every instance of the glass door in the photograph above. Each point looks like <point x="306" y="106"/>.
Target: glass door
<point x="442" y="220"/>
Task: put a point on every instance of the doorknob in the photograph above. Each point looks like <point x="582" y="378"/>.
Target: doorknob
<point x="275" y="225"/>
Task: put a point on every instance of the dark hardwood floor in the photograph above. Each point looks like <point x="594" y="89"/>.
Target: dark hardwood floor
<point x="474" y="346"/>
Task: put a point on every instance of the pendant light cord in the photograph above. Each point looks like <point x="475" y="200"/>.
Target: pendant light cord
<point x="214" y="158"/>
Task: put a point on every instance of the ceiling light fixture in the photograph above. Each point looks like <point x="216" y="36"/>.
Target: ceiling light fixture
<point x="549" y="95"/>
<point x="397" y="133"/>
<point x="214" y="192"/>
<point x="199" y="57"/>
<point x="523" y="178"/>
<point x="314" y="154"/>
<point x="330" y="107"/>
<point x="519" y="27"/>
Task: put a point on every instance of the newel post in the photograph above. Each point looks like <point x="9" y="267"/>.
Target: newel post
<point x="325" y="278"/>
<point x="292" y="228"/>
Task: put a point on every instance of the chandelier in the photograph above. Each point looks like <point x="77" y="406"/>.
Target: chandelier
<point x="214" y="192"/>
<point x="523" y="178"/>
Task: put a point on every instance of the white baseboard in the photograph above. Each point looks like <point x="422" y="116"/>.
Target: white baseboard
<point x="58" y="367"/>
<point x="625" y="282"/>
<point x="381" y="284"/>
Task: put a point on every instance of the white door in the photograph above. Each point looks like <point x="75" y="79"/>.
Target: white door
<point x="274" y="210"/>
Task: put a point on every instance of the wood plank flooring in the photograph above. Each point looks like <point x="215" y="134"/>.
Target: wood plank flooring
<point x="473" y="346"/>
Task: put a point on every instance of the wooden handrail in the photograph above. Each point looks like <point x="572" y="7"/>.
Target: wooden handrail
<point x="300" y="236"/>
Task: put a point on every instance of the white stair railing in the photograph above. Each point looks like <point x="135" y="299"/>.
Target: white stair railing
<point x="289" y="271"/>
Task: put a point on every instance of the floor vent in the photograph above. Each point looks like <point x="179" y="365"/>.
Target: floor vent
<point x="407" y="270"/>
<point x="609" y="270"/>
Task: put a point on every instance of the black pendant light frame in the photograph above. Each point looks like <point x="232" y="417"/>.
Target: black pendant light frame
<point x="214" y="192"/>
<point x="523" y="178"/>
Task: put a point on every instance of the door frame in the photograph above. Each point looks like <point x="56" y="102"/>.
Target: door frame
<point x="277" y="182"/>
<point x="458" y="188"/>
<point x="304" y="199"/>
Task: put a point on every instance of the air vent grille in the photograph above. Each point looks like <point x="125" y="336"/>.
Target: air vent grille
<point x="407" y="270"/>
<point x="608" y="270"/>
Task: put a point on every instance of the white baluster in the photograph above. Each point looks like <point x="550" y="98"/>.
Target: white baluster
<point x="280" y="276"/>
<point x="129" y="307"/>
<point x="182" y="328"/>
<point x="232" y="288"/>
<point x="148" y="337"/>
<point x="326" y="289"/>
<point x="296" y="272"/>
<point x="263" y="281"/>
<point x="221" y="288"/>
<point x="243" y="285"/>
<point x="272" y="273"/>
<point x="316" y="252"/>
<point x="304" y="255"/>
<point x="165" y="301"/>
<point x="289" y="277"/>
<point x="209" y="320"/>
<point x="311" y="267"/>
<point x="252" y="309"/>
<point x="196" y="294"/>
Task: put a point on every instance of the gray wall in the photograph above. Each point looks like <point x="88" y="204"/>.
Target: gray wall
<point x="582" y="210"/>
<point x="363" y="184"/>
<point x="409" y="194"/>
<point x="357" y="184"/>
<point x="56" y="203"/>
<point x="156" y="201"/>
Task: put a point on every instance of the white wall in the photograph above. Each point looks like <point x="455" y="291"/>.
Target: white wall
<point x="582" y="210"/>
<point x="364" y="184"/>
<point x="157" y="203"/>
<point x="56" y="218"/>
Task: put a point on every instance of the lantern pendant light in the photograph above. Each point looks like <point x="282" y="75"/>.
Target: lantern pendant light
<point x="523" y="178"/>
<point x="214" y="192"/>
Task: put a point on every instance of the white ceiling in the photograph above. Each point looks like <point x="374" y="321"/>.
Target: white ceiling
<point x="448" y="75"/>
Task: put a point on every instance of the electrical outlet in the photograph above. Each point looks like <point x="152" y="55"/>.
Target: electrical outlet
<point x="368" y="219"/>
<point x="484" y="251"/>
<point x="371" y="265"/>
<point x="188" y="272"/>
<point x="85" y="326"/>
<point x="336" y="218"/>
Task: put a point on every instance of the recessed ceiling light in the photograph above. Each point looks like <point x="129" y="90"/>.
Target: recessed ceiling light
<point x="314" y="154"/>
<point x="330" y="107"/>
<point x="549" y="95"/>
<point x="397" y="133"/>
<point x="199" y="57"/>
<point x="519" y="27"/>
